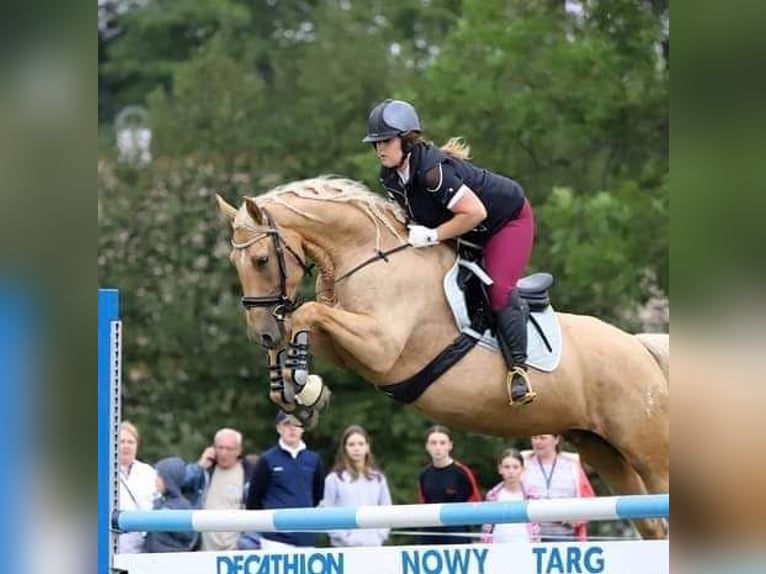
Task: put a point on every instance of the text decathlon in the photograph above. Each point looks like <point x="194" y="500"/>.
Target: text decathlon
<point x="315" y="563"/>
<point x="444" y="561"/>
<point x="569" y="560"/>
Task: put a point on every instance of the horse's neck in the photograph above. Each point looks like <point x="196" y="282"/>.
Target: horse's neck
<point x="341" y="237"/>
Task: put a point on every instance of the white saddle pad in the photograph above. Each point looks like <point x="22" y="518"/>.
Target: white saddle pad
<point x="538" y="354"/>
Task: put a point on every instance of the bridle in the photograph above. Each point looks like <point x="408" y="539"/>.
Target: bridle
<point x="281" y="304"/>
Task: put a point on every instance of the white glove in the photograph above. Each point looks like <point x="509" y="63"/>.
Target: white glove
<point x="422" y="236"/>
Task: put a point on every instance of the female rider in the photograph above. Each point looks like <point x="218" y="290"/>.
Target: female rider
<point x="446" y="196"/>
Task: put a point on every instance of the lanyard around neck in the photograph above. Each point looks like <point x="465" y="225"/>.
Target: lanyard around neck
<point x="549" y="476"/>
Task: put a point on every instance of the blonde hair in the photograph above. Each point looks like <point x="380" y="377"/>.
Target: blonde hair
<point x="131" y="428"/>
<point x="457" y="148"/>
<point x="454" y="147"/>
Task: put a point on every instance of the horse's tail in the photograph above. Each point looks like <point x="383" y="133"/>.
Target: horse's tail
<point x="658" y="344"/>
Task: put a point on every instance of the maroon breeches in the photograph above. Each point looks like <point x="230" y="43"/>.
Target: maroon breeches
<point x="507" y="253"/>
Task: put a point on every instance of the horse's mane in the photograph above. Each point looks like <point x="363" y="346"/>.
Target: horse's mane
<point x="338" y="190"/>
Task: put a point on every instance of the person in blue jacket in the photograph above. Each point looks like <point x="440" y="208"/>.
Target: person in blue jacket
<point x="288" y="475"/>
<point x="170" y="477"/>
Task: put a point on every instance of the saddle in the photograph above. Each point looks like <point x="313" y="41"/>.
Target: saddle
<point x="473" y="281"/>
<point x="466" y="287"/>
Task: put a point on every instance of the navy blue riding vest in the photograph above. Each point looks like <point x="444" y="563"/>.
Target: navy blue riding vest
<point x="435" y="178"/>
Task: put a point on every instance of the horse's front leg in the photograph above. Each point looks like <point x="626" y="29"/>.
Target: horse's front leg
<point x="280" y="393"/>
<point x="301" y="396"/>
<point x="359" y="340"/>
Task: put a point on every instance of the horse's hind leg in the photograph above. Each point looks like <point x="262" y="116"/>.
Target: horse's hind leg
<point x="617" y="473"/>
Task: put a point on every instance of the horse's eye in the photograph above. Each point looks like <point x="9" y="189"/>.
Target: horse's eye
<point x="261" y="261"/>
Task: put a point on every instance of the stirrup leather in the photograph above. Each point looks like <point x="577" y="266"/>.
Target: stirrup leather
<point x="530" y="396"/>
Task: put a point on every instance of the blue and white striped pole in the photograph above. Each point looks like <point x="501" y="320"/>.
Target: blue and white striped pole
<point x="405" y="516"/>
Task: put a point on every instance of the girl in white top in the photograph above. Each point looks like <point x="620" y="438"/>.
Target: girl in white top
<point x="510" y="466"/>
<point x="137" y="486"/>
<point x="356" y="481"/>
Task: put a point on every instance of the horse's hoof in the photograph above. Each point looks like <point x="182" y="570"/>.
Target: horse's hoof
<point x="305" y="417"/>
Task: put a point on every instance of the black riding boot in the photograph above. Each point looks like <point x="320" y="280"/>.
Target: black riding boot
<point x="512" y="336"/>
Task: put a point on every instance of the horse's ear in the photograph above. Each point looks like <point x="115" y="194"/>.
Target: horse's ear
<point x="253" y="210"/>
<point x="227" y="209"/>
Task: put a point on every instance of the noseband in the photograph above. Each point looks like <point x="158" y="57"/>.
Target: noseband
<point x="281" y="304"/>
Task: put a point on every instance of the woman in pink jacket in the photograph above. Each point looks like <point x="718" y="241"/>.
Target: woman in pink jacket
<point x="551" y="473"/>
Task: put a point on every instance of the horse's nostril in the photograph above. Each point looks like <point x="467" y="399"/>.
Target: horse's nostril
<point x="266" y="340"/>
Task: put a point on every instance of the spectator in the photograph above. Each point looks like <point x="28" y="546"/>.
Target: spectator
<point x="510" y="466"/>
<point x="137" y="486"/>
<point x="170" y="478"/>
<point x="445" y="480"/>
<point x="551" y="473"/>
<point x="355" y="480"/>
<point x="288" y="475"/>
<point x="220" y="480"/>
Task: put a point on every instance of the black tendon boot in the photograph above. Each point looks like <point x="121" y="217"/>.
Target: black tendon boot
<point x="512" y="336"/>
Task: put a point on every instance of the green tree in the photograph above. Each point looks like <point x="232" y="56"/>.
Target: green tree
<point x="608" y="249"/>
<point x="212" y="99"/>
<point x="547" y="99"/>
<point x="146" y="43"/>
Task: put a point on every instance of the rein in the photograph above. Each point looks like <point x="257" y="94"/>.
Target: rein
<point x="377" y="257"/>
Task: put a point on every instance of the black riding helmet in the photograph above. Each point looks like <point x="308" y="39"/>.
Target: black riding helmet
<point x="389" y="119"/>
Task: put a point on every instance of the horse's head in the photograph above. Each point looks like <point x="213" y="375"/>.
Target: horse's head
<point x="270" y="264"/>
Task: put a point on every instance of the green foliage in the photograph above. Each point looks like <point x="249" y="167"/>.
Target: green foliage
<point x="547" y="100"/>
<point x="151" y="41"/>
<point x="213" y="97"/>
<point x="606" y="248"/>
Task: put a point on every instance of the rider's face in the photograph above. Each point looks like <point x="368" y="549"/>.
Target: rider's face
<point x="390" y="152"/>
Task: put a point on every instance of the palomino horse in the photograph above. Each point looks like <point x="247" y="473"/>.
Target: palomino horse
<point x="386" y="316"/>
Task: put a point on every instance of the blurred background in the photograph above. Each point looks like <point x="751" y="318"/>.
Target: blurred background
<point x="197" y="97"/>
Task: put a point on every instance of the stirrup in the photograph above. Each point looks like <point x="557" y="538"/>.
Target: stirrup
<point x="530" y="395"/>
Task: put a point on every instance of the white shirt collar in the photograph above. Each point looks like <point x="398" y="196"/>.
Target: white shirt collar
<point x="404" y="171"/>
<point x="293" y="451"/>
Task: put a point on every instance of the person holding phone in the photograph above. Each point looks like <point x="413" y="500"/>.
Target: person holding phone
<point x="220" y="480"/>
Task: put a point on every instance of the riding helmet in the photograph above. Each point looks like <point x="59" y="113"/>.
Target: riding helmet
<point x="391" y="118"/>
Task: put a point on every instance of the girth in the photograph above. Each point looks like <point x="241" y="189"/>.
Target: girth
<point x="411" y="389"/>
